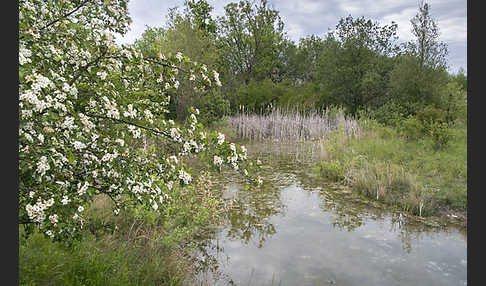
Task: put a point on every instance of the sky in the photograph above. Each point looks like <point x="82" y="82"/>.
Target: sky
<point x="303" y="18"/>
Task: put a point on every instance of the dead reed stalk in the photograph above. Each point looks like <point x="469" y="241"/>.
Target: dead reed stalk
<point x="288" y="125"/>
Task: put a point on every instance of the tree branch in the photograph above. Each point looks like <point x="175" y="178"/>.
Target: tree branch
<point x="65" y="15"/>
<point x="130" y="123"/>
<point x="83" y="69"/>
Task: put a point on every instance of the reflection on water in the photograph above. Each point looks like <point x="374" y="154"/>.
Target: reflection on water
<point x="298" y="230"/>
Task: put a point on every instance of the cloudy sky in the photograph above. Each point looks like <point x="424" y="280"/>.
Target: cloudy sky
<point x="306" y="17"/>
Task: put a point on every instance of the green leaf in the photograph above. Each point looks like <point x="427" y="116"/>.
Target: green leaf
<point x="71" y="157"/>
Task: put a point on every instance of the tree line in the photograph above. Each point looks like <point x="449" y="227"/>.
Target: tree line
<point x="359" y="66"/>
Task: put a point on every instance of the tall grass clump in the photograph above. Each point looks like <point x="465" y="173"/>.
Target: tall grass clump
<point x="291" y="125"/>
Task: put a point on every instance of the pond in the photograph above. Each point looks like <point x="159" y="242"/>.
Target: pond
<point x="300" y="230"/>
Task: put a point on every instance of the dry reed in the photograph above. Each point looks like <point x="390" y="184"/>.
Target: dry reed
<point x="279" y="125"/>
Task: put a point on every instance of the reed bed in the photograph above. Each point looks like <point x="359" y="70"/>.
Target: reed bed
<point x="291" y="125"/>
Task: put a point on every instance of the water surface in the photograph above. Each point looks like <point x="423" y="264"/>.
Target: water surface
<point x="298" y="230"/>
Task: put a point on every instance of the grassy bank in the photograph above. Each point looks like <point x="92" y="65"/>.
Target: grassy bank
<point x="411" y="174"/>
<point x="137" y="247"/>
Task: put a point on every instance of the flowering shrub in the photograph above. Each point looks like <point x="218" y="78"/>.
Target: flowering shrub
<point x="84" y="104"/>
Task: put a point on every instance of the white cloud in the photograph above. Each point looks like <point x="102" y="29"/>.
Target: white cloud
<point x="372" y="7"/>
<point x="453" y="29"/>
<point x="402" y="18"/>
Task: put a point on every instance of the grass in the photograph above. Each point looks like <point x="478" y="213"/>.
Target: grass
<point x="126" y="256"/>
<point x="411" y="174"/>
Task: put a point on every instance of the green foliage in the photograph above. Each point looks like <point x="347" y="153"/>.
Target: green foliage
<point x="414" y="86"/>
<point x="433" y="122"/>
<point x="137" y="247"/>
<point x="332" y="170"/>
<point x="307" y="96"/>
<point x="460" y="78"/>
<point x="390" y="113"/>
<point x="200" y="15"/>
<point x="151" y="43"/>
<point x="455" y="103"/>
<point x="251" y="38"/>
<point x="412" y="128"/>
<point x="430" y="114"/>
<point x="419" y="78"/>
<point x="303" y="59"/>
<point x="440" y="133"/>
<point x="258" y="95"/>
<point x="426" y="47"/>
<point x="94" y="262"/>
<point x="354" y="64"/>
<point x="191" y="32"/>
<point x="213" y="107"/>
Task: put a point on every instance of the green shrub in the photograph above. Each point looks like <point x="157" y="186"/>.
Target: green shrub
<point x="412" y="128"/>
<point x="332" y="170"/>
<point x="440" y="133"/>
<point x="390" y="113"/>
<point x="213" y="107"/>
<point x="431" y="114"/>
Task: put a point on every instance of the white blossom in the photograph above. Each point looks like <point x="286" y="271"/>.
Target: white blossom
<point x="220" y="138"/>
<point x="79" y="145"/>
<point x="65" y="200"/>
<point x="43" y="166"/>
<point x="184" y="176"/>
<point x="102" y="75"/>
<point x="217" y="160"/>
<point x="179" y="56"/>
